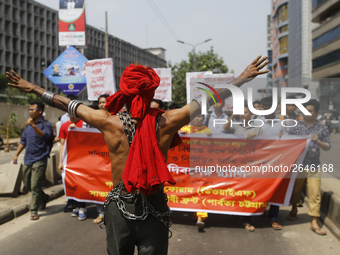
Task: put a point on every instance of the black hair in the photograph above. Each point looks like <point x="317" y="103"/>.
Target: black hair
<point x="160" y="102"/>
<point x="103" y="95"/>
<point x="267" y="101"/>
<point x="257" y="102"/>
<point x="314" y="103"/>
<point x="173" y="106"/>
<point x="39" y="104"/>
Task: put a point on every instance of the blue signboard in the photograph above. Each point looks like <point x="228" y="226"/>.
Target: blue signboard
<point x="68" y="71"/>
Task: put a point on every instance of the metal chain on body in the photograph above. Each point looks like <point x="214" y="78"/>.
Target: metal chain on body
<point x="119" y="198"/>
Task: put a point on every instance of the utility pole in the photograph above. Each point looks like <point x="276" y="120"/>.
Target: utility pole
<point x="106" y="38"/>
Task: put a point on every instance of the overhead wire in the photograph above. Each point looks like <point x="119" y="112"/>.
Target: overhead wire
<point x="165" y="23"/>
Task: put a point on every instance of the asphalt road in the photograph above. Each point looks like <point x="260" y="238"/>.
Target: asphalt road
<point x="58" y="233"/>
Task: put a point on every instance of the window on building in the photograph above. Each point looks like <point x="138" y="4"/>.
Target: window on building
<point x="327" y="37"/>
<point x="22" y="46"/>
<point x="282" y="13"/>
<point x="326" y="59"/>
<point x="283" y="44"/>
<point x="8" y="27"/>
<point x="29" y="19"/>
<point x="22" y="61"/>
<point x="29" y="48"/>
<point x="284" y="29"/>
<point x="29" y="62"/>
<point x="15" y="14"/>
<point x="8" y="43"/>
<point x="15" y="60"/>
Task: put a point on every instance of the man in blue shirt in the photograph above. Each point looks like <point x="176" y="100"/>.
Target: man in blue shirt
<point x="35" y="137"/>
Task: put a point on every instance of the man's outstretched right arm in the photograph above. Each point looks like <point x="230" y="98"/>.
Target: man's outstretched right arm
<point x="180" y="117"/>
<point x="94" y="118"/>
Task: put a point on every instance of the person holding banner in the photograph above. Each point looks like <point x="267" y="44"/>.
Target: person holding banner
<point x="100" y="207"/>
<point x="77" y="208"/>
<point x="138" y="142"/>
<point x="311" y="164"/>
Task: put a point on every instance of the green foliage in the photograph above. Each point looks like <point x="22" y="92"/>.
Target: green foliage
<point x="13" y="117"/>
<point x="206" y="61"/>
<point x="13" y="95"/>
<point x="14" y="132"/>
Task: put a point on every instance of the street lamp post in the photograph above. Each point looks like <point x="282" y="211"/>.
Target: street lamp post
<point x="193" y="50"/>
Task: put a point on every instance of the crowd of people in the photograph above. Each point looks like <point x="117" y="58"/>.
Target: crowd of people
<point x="130" y="161"/>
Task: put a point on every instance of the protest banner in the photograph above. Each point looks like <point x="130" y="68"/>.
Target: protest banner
<point x="87" y="175"/>
<point x="99" y="78"/>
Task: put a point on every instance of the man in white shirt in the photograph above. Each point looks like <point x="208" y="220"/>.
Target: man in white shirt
<point x="216" y="114"/>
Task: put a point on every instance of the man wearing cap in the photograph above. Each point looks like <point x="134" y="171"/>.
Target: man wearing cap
<point x="138" y="141"/>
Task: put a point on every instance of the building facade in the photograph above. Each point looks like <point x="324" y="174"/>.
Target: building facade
<point x="269" y="54"/>
<point x="326" y="52"/>
<point x="29" y="44"/>
<point x="279" y="16"/>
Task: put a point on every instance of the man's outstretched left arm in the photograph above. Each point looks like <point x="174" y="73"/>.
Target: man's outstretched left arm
<point x="92" y="117"/>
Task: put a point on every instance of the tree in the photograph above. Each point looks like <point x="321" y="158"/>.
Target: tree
<point x="207" y="61"/>
<point x="13" y="95"/>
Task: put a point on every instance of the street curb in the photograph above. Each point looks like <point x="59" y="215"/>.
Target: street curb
<point x="10" y="214"/>
<point x="328" y="200"/>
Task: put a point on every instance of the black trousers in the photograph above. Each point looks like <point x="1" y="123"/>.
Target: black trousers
<point x="149" y="235"/>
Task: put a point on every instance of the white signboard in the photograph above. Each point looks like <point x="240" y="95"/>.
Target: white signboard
<point x="99" y="78"/>
<point x="164" y="91"/>
<point x="190" y="85"/>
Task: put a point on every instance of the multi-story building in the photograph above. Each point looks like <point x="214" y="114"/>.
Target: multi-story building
<point x="269" y="54"/>
<point x="279" y="15"/>
<point x="326" y="51"/>
<point x="299" y="43"/>
<point x="29" y="43"/>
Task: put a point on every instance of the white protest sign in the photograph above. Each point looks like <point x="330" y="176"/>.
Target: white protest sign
<point x="164" y="90"/>
<point x="191" y="85"/>
<point x="99" y="78"/>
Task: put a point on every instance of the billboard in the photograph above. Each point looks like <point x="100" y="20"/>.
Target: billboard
<point x="72" y="23"/>
<point x="68" y="71"/>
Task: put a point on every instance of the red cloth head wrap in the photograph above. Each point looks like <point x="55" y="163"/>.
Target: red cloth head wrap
<point x="137" y="89"/>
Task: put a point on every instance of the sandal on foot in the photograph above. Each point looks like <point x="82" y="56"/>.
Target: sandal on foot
<point x="292" y="216"/>
<point x="34" y="216"/>
<point x="98" y="220"/>
<point x="249" y="227"/>
<point x="275" y="225"/>
<point x="318" y="231"/>
<point x="200" y="225"/>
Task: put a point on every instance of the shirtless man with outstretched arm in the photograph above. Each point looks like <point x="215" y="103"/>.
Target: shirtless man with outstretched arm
<point x="111" y="126"/>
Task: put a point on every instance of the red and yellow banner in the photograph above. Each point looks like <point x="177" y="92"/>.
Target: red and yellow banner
<point x="229" y="174"/>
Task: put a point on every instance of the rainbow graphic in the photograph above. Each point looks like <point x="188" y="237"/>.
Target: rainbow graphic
<point x="209" y="93"/>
